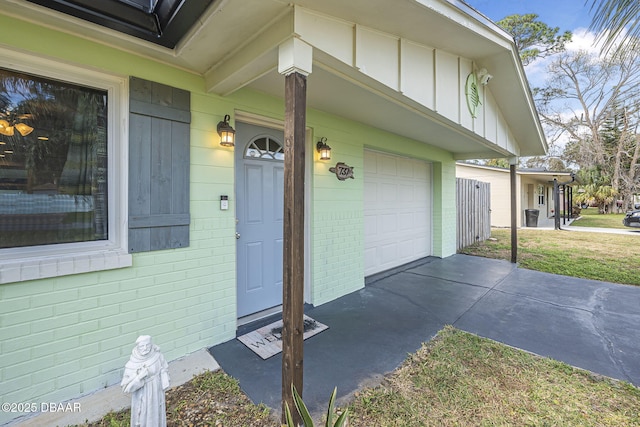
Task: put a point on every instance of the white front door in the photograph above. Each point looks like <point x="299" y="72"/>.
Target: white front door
<point x="259" y="165"/>
<point x="397" y="210"/>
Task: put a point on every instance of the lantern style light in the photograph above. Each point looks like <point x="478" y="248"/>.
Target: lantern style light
<point x="323" y="149"/>
<point x="226" y="132"/>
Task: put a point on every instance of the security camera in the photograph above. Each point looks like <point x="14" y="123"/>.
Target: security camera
<point x="485" y="79"/>
<point x="484" y="76"/>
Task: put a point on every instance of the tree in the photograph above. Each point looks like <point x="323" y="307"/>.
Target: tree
<point x="594" y="189"/>
<point x="550" y="163"/>
<point x="594" y="100"/>
<point x="620" y="139"/>
<point x="601" y="196"/>
<point x="498" y="163"/>
<point x="618" y="25"/>
<point x="534" y="39"/>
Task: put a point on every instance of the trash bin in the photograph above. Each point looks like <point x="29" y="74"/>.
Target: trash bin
<point x="531" y="217"/>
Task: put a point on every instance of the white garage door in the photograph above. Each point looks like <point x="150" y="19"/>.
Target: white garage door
<point x="397" y="210"/>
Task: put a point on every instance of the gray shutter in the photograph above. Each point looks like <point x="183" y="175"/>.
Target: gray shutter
<point x="159" y="118"/>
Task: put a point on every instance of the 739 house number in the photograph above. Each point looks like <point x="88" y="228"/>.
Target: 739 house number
<point x="342" y="171"/>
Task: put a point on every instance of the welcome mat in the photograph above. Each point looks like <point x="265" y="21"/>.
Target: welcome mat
<point x="267" y="341"/>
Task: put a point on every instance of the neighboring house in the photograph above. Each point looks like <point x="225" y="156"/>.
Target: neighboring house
<point x="534" y="190"/>
<point x="121" y="213"/>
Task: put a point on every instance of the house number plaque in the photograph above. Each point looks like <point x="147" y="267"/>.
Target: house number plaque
<point x="342" y="171"/>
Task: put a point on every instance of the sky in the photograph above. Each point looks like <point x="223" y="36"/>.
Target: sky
<point x="565" y="14"/>
<point x="571" y="15"/>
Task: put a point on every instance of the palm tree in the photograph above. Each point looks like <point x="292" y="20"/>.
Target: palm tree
<point x="602" y="196"/>
<point x="618" y="23"/>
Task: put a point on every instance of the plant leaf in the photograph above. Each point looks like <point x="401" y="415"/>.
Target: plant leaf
<point x="332" y="399"/>
<point x="288" y="416"/>
<point x="302" y="408"/>
<point x="341" y="419"/>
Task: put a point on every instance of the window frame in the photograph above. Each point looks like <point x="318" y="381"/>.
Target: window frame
<point x="541" y="194"/>
<point x="264" y="155"/>
<point x="38" y="262"/>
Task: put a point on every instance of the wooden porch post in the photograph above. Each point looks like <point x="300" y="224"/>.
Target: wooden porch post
<point x="293" y="236"/>
<point x="295" y="63"/>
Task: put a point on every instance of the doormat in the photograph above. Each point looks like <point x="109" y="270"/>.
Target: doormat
<point x="267" y="341"/>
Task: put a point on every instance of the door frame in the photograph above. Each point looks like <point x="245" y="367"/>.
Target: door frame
<point x="268" y="122"/>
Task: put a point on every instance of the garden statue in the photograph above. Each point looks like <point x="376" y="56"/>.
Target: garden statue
<point x="146" y="377"/>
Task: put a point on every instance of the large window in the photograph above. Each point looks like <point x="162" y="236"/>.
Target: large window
<point x="63" y="169"/>
<point x="53" y="161"/>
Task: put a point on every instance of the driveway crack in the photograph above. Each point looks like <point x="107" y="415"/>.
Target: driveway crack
<point x="596" y="298"/>
<point x="489" y="290"/>
<point x="413" y="302"/>
<point x="593" y="309"/>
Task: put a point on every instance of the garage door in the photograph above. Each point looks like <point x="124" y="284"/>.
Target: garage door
<point x="397" y="210"/>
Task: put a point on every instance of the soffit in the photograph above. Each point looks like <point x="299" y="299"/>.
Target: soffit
<point x="232" y="28"/>
<point x="337" y="89"/>
<point x="546" y="176"/>
<point x="225" y="26"/>
<point x="537" y="175"/>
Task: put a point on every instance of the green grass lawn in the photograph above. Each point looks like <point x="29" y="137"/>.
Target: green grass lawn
<point x="592" y="218"/>
<point x="599" y="256"/>
<point x="456" y="379"/>
<point x="459" y="379"/>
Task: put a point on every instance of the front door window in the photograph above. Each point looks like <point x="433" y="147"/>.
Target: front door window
<point x="264" y="147"/>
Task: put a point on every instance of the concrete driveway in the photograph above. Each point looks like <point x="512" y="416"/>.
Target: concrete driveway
<point x="589" y="324"/>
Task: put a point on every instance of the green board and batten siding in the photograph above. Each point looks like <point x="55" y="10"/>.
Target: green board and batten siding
<point x="70" y="335"/>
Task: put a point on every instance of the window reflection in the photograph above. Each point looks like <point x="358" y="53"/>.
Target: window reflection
<point x="265" y="147"/>
<point x="53" y="161"/>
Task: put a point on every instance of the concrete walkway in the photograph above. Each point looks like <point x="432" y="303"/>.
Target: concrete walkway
<point x="628" y="231"/>
<point x="589" y="324"/>
<point x="567" y="225"/>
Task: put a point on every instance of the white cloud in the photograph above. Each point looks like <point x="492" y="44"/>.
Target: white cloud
<point x="583" y="40"/>
<point x="588" y="41"/>
<point x="537" y="74"/>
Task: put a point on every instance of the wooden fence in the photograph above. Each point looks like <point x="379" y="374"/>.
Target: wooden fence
<point x="473" y="200"/>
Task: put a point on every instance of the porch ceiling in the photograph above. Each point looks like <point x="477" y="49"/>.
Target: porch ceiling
<point x="534" y="174"/>
<point x="547" y="176"/>
<point x="226" y="34"/>
<point x="333" y="88"/>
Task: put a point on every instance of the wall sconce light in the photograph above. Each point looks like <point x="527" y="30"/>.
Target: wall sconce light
<point x="226" y="132"/>
<point x="484" y="76"/>
<point x="323" y="149"/>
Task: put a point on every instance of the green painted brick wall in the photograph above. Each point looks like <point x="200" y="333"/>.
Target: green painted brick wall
<point x="71" y="335"/>
<point x="67" y="336"/>
<point x="338" y="219"/>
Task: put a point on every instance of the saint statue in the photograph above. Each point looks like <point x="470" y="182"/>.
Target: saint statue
<point x="146" y="376"/>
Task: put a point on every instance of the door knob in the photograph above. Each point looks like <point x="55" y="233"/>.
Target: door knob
<point x="237" y="235"/>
